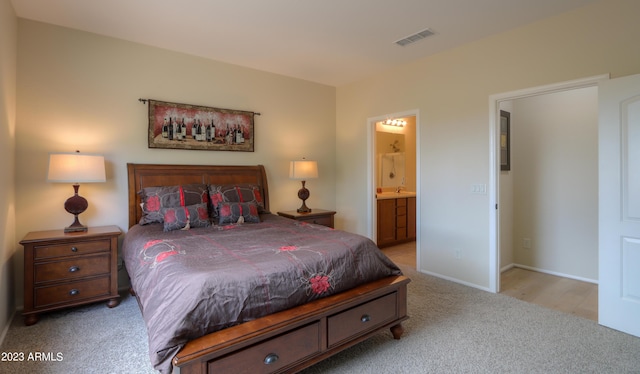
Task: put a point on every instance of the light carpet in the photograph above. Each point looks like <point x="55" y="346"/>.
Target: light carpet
<point x="452" y="329"/>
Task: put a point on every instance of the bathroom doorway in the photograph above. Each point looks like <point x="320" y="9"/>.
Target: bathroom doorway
<point x="394" y="175"/>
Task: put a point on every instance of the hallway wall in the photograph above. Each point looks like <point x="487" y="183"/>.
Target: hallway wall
<point x="554" y="169"/>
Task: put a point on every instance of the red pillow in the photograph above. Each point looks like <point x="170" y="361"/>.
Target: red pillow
<point x="231" y="212"/>
<point x="235" y="193"/>
<point x="154" y="199"/>
<point x="185" y="217"/>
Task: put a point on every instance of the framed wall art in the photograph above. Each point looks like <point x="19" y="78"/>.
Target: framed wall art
<point x="505" y="140"/>
<point x="185" y="126"/>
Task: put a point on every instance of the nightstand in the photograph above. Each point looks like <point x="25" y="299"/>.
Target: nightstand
<point x="62" y="270"/>
<point x="317" y="216"/>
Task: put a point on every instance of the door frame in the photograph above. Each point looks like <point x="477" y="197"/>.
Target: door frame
<point x="494" y="160"/>
<point x="372" y="208"/>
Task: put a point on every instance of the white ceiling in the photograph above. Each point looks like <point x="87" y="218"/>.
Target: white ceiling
<point x="333" y="42"/>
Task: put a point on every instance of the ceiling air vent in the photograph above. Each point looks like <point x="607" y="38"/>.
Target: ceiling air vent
<point x="415" y="37"/>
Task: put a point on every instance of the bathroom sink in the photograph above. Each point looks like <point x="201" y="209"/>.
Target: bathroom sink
<point x="394" y="195"/>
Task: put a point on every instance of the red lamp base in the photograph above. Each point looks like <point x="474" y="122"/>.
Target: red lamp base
<point x="303" y="194"/>
<point x="75" y="205"/>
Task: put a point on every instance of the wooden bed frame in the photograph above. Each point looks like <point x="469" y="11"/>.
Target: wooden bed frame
<point x="291" y="340"/>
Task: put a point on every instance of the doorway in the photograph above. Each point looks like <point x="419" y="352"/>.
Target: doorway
<point x="402" y="163"/>
<point x="549" y="202"/>
<point x="496" y="101"/>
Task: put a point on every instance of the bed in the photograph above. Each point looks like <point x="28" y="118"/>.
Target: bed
<point x="223" y="307"/>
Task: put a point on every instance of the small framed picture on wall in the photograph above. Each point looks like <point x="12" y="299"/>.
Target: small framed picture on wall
<point x="505" y="140"/>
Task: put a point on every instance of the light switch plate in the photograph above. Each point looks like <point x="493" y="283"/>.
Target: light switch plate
<point x="479" y="188"/>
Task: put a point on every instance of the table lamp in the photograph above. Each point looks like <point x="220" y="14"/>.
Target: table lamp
<point x="303" y="170"/>
<point x="76" y="168"/>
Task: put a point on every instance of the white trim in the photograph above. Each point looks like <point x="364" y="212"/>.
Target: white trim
<point x="494" y="161"/>
<point x="508" y="267"/>
<point x="454" y="280"/>
<point x="557" y="274"/>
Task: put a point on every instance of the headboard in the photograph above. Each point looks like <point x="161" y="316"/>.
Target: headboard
<point x="150" y="175"/>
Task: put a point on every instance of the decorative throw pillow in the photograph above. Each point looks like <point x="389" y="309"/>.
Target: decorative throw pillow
<point x="186" y="217"/>
<point x="156" y="198"/>
<point x="235" y="193"/>
<point x="231" y="212"/>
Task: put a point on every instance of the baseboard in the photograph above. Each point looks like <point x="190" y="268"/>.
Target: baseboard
<point x="454" y="280"/>
<point x="569" y="276"/>
<point x="508" y="267"/>
<point x="6" y="328"/>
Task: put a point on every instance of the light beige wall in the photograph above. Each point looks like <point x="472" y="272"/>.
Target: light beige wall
<point x="8" y="57"/>
<point x="451" y="92"/>
<point x="78" y="90"/>
<point x="555" y="182"/>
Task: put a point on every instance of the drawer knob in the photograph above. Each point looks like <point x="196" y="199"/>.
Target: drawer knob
<point x="74" y="292"/>
<point x="74" y="249"/>
<point x="365" y="318"/>
<point x="74" y="269"/>
<point x="271" y="358"/>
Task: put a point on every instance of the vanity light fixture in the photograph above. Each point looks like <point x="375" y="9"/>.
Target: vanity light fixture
<point x="394" y="122"/>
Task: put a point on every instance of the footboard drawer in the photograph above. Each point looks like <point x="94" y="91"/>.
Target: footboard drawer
<point x="363" y="318"/>
<point x="273" y="354"/>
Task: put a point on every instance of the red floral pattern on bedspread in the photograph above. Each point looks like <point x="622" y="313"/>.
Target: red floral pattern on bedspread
<point x="191" y="283"/>
<point x="156" y="251"/>
<point x="320" y="283"/>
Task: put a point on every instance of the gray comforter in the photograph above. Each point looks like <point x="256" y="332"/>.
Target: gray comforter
<point x="191" y="283"/>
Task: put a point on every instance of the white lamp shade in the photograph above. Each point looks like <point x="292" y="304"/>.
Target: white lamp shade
<point x="76" y="168"/>
<point x="303" y="170"/>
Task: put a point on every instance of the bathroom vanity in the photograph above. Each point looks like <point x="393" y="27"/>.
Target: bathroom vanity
<point x="396" y="218"/>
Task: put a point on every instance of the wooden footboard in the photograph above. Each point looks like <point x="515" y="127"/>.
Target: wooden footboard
<point x="294" y="339"/>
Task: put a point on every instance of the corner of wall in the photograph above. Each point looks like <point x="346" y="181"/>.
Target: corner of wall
<point x="8" y="73"/>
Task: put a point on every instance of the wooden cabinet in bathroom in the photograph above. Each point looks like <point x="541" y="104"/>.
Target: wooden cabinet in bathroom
<point x="396" y="221"/>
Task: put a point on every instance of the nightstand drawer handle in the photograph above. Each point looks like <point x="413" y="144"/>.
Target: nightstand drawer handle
<point x="365" y="318"/>
<point x="271" y="359"/>
<point x="74" y="269"/>
<point x="74" y="292"/>
<point x="74" y="249"/>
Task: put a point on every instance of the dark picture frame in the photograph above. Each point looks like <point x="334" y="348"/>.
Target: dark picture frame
<point x="195" y="127"/>
<point x="505" y="140"/>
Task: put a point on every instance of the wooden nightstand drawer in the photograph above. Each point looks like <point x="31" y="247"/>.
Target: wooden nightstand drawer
<point x="316" y="216"/>
<point x="361" y="318"/>
<point x="70" y="292"/>
<point x="73" y="268"/>
<point x="71" y="249"/>
<point x="324" y="221"/>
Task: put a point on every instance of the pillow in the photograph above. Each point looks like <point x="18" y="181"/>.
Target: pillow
<point x="235" y="193"/>
<point x="231" y="212"/>
<point x="185" y="217"/>
<point x="154" y="199"/>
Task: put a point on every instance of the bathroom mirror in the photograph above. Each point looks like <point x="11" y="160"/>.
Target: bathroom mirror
<point x="390" y="159"/>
